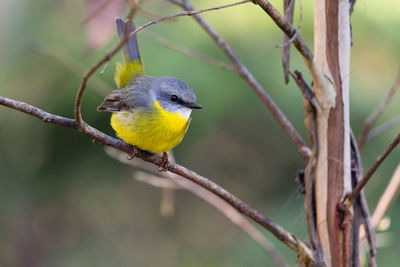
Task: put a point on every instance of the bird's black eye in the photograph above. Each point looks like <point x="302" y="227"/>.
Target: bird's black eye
<point x="174" y="98"/>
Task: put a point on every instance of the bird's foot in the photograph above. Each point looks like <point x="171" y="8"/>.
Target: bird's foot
<point x="133" y="155"/>
<point x="164" y="163"/>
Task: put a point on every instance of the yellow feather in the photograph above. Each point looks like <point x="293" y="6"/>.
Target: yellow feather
<point x="125" y="73"/>
<point x="155" y="131"/>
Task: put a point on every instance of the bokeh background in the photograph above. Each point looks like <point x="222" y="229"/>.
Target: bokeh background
<point x="65" y="202"/>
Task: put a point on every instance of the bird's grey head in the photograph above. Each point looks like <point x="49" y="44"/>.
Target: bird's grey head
<point x="174" y="95"/>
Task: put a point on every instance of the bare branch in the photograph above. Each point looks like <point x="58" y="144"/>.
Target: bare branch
<point x="289" y="41"/>
<point x="288" y="8"/>
<point x="350" y="197"/>
<point x="383" y="128"/>
<point x="387" y="197"/>
<point x="302" y="147"/>
<point x="378" y="111"/>
<point x="361" y="202"/>
<point x="135" y="8"/>
<point x="108" y="56"/>
<point x="155" y="181"/>
<point x="70" y="63"/>
<point x="287" y="238"/>
<point x="286" y="27"/>
<point x="305" y="90"/>
<point x="96" y="11"/>
<point x="187" y="51"/>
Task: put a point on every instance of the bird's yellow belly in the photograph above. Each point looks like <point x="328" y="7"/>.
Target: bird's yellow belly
<point x="158" y="131"/>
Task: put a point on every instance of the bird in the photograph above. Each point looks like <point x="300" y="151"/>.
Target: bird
<point x="150" y="113"/>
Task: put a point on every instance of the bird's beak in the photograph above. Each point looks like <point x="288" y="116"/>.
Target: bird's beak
<point x="195" y="106"/>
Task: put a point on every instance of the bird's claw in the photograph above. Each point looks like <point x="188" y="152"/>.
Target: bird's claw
<point x="164" y="163"/>
<point x="133" y="155"/>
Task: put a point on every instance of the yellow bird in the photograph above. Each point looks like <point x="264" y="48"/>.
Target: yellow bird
<point x="151" y="113"/>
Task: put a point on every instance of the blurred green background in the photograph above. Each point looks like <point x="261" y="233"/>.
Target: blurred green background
<point x="65" y="202"/>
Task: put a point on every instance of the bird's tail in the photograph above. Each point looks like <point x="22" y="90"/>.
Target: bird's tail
<point x="132" y="65"/>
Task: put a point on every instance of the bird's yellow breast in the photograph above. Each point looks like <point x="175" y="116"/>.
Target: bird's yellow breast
<point x="155" y="131"/>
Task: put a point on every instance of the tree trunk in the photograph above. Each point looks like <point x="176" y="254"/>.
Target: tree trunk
<point x="332" y="167"/>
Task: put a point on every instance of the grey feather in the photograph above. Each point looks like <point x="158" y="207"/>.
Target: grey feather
<point x="131" y="48"/>
<point x="135" y="95"/>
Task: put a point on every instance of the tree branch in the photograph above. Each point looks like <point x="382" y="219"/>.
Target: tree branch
<point x="387" y="197"/>
<point x="286" y="27"/>
<point x="287" y="238"/>
<point x="383" y="128"/>
<point x="350" y="197"/>
<point x="378" y="112"/>
<point x="188" y="52"/>
<point x="241" y="69"/>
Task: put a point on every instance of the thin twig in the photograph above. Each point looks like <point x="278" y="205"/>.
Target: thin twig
<point x="155" y="181"/>
<point x="378" y="111"/>
<point x="350" y="197"/>
<point x="96" y="11"/>
<point x="288" y="9"/>
<point x="383" y="128"/>
<point x="286" y="237"/>
<point x="305" y="90"/>
<point x="70" y="63"/>
<point x="361" y="202"/>
<point x="187" y="51"/>
<point x="286" y="27"/>
<point x="288" y="42"/>
<point x="135" y="8"/>
<point x="387" y="197"/>
<point x="302" y="147"/>
<point x="108" y="56"/>
<point x="104" y="67"/>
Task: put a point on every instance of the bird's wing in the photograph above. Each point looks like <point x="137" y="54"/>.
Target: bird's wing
<point x="135" y="95"/>
<point x="132" y="65"/>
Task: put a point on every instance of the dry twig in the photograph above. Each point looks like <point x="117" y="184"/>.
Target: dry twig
<point x="187" y="51"/>
<point x="378" y="111"/>
<point x="387" y="197"/>
<point x="287" y="238"/>
<point x="361" y="202"/>
<point x="288" y="8"/>
<point x="383" y="128"/>
<point x="350" y="197"/>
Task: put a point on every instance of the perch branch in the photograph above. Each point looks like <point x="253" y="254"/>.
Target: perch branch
<point x="302" y="147"/>
<point x="350" y="197"/>
<point x="108" y="56"/>
<point x="378" y="111"/>
<point x="286" y="237"/>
